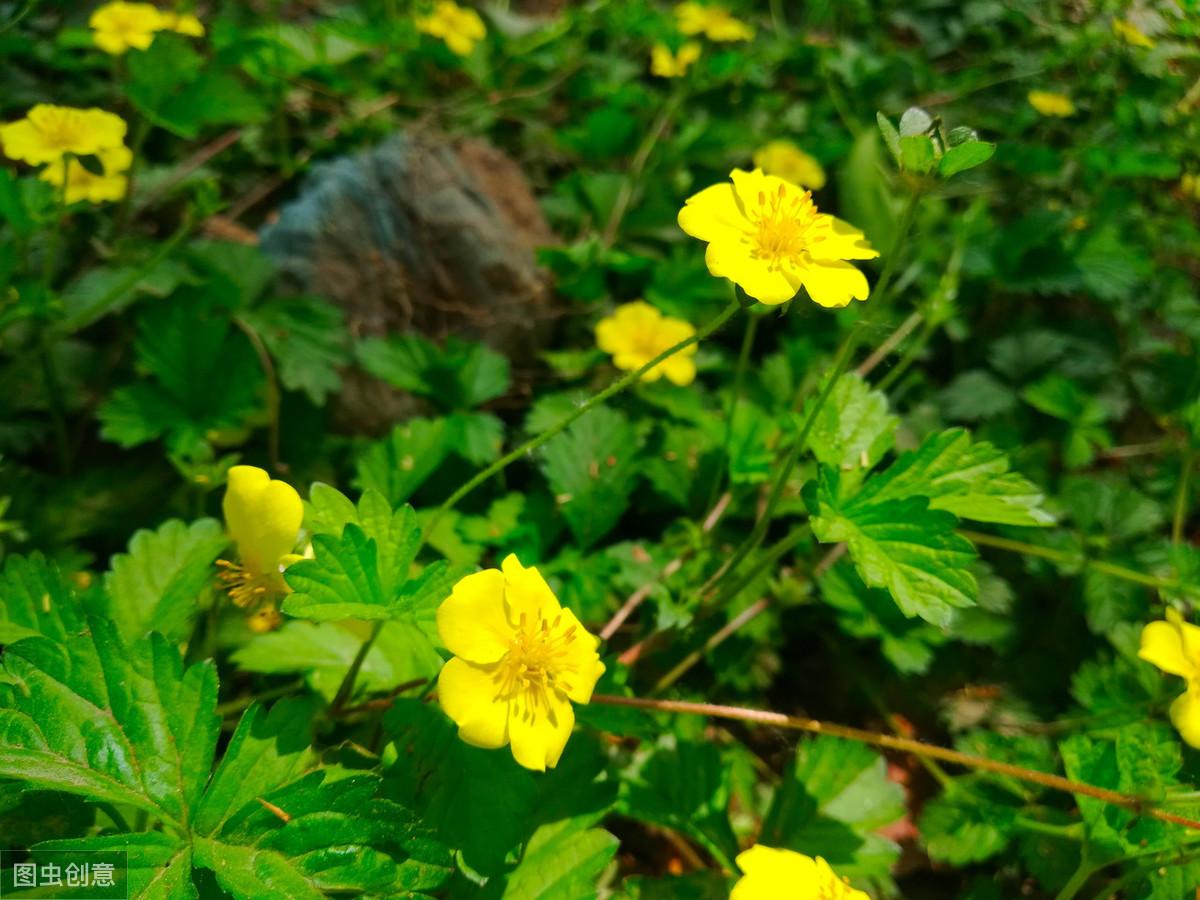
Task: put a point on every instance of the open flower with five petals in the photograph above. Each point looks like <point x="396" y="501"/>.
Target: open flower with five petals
<point x="771" y="874"/>
<point x="668" y="63"/>
<point x="520" y="661"/>
<point x="263" y="518"/>
<point x="766" y="235"/>
<point x="1174" y="646"/>
<point x="458" y="27"/>
<point x="48" y="133"/>
<point x="711" y="20"/>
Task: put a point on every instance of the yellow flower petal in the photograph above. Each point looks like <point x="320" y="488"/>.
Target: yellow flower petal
<point x="539" y="737"/>
<point x="49" y="132"/>
<point x="460" y="29"/>
<point x="637" y="333"/>
<point x="840" y="240"/>
<point x="467" y="693"/>
<point x="834" y="283"/>
<point x="262" y="516"/>
<point x="119" y="27"/>
<point x="765" y="284"/>
<point x="771" y="874"/>
<point x="680" y="370"/>
<point x="789" y="162"/>
<point x="714" y="214"/>
<point x="526" y="593"/>
<point x="1185" y="715"/>
<point x="1162" y="646"/>
<point x="1049" y="103"/>
<point x="471" y="621"/>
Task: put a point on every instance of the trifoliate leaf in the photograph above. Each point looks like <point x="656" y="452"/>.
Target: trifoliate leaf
<point x="970" y="479"/>
<point x="155" y="586"/>
<point x="592" y="469"/>
<point x="899" y="544"/>
<point x="832" y="800"/>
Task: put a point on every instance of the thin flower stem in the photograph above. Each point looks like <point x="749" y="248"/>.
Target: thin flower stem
<point x="1078" y="880"/>
<point x="884" y="350"/>
<point x="592" y="402"/>
<point x="739" y="376"/>
<point x="273" y="398"/>
<point x="1182" y="496"/>
<point x="1098" y="565"/>
<point x="346" y="689"/>
<point x="904" y="745"/>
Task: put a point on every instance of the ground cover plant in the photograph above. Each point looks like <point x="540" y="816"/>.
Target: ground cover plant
<point x="606" y="449"/>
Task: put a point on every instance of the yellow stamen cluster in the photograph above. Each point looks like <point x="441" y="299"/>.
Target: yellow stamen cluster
<point x="781" y="225"/>
<point x="245" y="588"/>
<point x="537" y="664"/>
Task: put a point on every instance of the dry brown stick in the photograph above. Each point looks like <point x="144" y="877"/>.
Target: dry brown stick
<point x="905" y="745"/>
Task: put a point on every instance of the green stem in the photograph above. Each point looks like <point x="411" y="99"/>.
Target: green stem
<point x="346" y="689"/>
<point x="592" y="402"/>
<point x="1077" y="881"/>
<point x="1182" y="496"/>
<point x="1098" y="565"/>
<point x="739" y="376"/>
<point x="113" y="813"/>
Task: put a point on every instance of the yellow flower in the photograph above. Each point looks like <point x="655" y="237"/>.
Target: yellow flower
<point x="459" y="28"/>
<point x="182" y="23"/>
<point x="519" y="660"/>
<point x="1174" y="646"/>
<point x="714" y="22"/>
<point x="1190" y="185"/>
<point x="789" y="162"/>
<point x="1049" y="103"/>
<point x="85" y="185"/>
<point x="47" y="132"/>
<point x="637" y="332"/>
<point x="771" y="874"/>
<point x="263" y="517"/>
<point x="667" y="64"/>
<point x="1131" y="34"/>
<point x="766" y="235"/>
<point x="118" y="27"/>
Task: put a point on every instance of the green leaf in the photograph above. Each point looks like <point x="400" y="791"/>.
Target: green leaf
<point x="970" y="479"/>
<point x="204" y="377"/>
<point x="917" y="154"/>
<point x="459" y="376"/>
<point x="965" y="156"/>
<point x="403" y="652"/>
<point x="308" y="339"/>
<point x="832" y="800"/>
<point x="901" y="545"/>
<point x="562" y="861"/>
<point x="592" y="469"/>
<point x="964" y="824"/>
<point x="478" y="801"/>
<point x="400" y="463"/>
<point x="853" y="429"/>
<point x="891" y="136"/>
<point x="340" y="582"/>
<point x="118" y="722"/>
<point x="156" y="585"/>
<point x="915" y="121"/>
<point x="684" y="786"/>
<point x="36" y="600"/>
<point x="159" y="865"/>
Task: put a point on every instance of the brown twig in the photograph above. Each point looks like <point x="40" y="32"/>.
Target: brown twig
<point x="905" y="745"/>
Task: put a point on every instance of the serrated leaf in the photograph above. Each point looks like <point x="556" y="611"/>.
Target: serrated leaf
<point x="341" y="581"/>
<point x="832" y="799"/>
<point x="960" y="828"/>
<point x="399" y="464"/>
<point x="478" y="801"/>
<point x="459" y="376"/>
<point x="901" y="545"/>
<point x="853" y="429"/>
<point x="592" y="469"/>
<point x="36" y="600"/>
<point x="308" y="340"/>
<point x="154" y="587"/>
<point x="965" y="156"/>
<point x="969" y="479"/>
<point x="684" y="786"/>
<point x="563" y="861"/>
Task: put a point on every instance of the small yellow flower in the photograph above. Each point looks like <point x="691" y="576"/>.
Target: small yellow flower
<point x="119" y="27"/>
<point x="637" y="332"/>
<point x="182" y="23"/>
<point x="766" y="235"/>
<point x="1131" y="34"/>
<point x="789" y="162"/>
<point x="771" y="874"/>
<point x="48" y="132"/>
<point x="263" y="518"/>
<point x="461" y="29"/>
<point x="519" y="661"/>
<point x="1174" y="646"/>
<point x="85" y="185"/>
<point x="667" y="64"/>
<point x="1049" y="103"/>
<point x="714" y="22"/>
